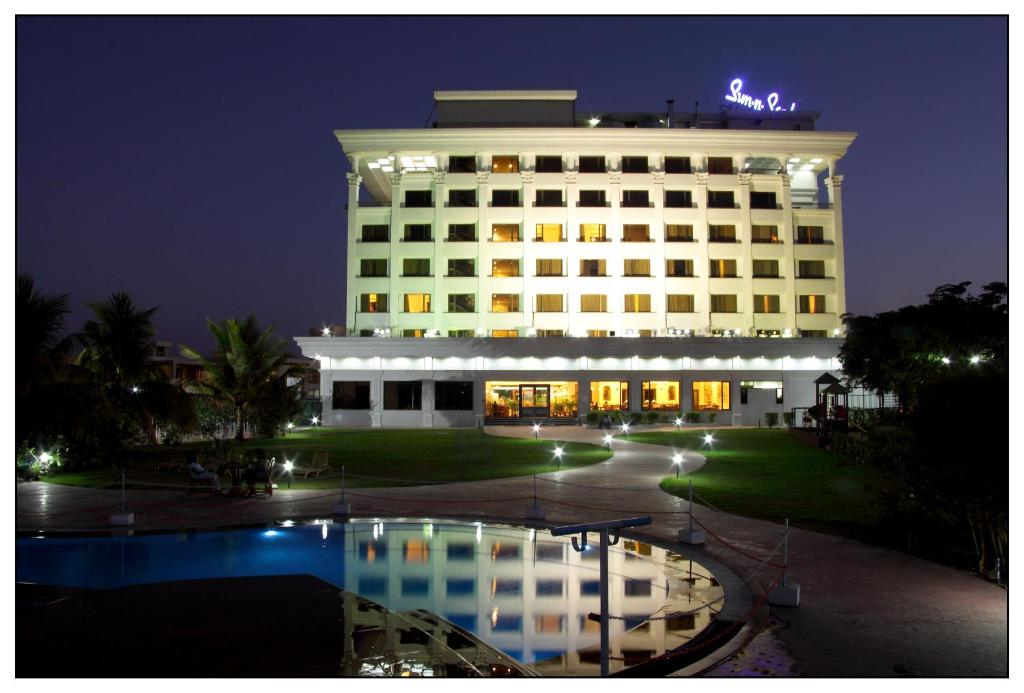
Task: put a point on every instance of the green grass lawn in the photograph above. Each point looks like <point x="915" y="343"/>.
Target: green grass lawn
<point x="402" y="457"/>
<point x="768" y="474"/>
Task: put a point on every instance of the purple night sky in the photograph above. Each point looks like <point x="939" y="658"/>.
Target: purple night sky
<point x="191" y="161"/>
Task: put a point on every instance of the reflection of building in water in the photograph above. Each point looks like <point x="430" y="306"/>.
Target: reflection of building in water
<point x="529" y="594"/>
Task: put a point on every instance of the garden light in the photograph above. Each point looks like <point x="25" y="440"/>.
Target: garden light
<point x="679" y="422"/>
<point x="536" y="430"/>
<point x="45" y="457"/>
<point x="975" y="359"/>
<point x="326" y="332"/>
<point x="558" y="457"/>
<point x="608" y="441"/>
<point x="135" y="389"/>
<point x="945" y="360"/>
<point x="315" y="420"/>
<point x="290" y="426"/>
<point x="677" y="460"/>
<point x="558" y="451"/>
<point x="289" y="466"/>
<point x="709" y="439"/>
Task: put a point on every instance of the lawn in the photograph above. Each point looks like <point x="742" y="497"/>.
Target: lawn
<point x="768" y="474"/>
<point x="400" y="457"/>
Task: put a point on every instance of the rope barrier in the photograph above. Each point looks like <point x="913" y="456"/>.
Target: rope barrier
<point x="664" y="617"/>
<point x="728" y="545"/>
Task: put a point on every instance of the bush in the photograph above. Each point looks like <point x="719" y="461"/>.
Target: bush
<point x="691" y="417"/>
<point x="593" y="416"/>
<point x="772" y="419"/>
<point x="635" y="418"/>
<point x="789" y="418"/>
<point x="277" y="405"/>
<point x="712" y="415"/>
<point x="651" y="417"/>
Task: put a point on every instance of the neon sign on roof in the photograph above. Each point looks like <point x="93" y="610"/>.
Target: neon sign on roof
<point x="771" y="102"/>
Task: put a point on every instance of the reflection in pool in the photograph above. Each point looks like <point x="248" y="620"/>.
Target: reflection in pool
<point x="523" y="591"/>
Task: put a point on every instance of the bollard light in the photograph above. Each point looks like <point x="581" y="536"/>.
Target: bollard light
<point x="608" y="441"/>
<point x="558" y="457"/>
<point x="290" y="426"/>
<point x="679" y="422"/>
<point x="709" y="439"/>
<point x="315" y="420"/>
<point x="536" y="431"/>
<point x="945" y="360"/>
<point x="975" y="360"/>
<point x="625" y="429"/>
<point x="677" y="460"/>
<point x="135" y="389"/>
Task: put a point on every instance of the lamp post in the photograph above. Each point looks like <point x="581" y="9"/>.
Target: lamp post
<point x="536" y="431"/>
<point x="677" y="460"/>
<point x="625" y="430"/>
<point x="288" y="467"/>
<point x="709" y="438"/>
<point x="608" y="441"/>
<point x="558" y="457"/>
<point x="678" y="423"/>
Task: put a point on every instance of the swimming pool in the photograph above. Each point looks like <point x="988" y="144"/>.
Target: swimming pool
<point x="520" y="589"/>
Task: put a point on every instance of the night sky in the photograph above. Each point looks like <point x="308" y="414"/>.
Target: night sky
<point x="191" y="162"/>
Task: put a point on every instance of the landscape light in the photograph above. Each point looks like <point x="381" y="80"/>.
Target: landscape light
<point x="594" y="122"/>
<point x="290" y="425"/>
<point x="709" y="439"/>
<point x="326" y="332"/>
<point x="608" y="441"/>
<point x="679" y="422"/>
<point x="975" y="359"/>
<point x="135" y="389"/>
<point x="288" y="465"/>
<point x="677" y="460"/>
<point x="45" y="458"/>
<point x="315" y="420"/>
<point x="835" y="332"/>
<point x="558" y="451"/>
<point x="945" y="360"/>
<point x="536" y="430"/>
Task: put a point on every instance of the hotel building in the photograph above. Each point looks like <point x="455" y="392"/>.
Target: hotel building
<point x="521" y="260"/>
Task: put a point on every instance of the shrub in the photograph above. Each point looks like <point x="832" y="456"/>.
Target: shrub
<point x="651" y="417"/>
<point x="789" y="418"/>
<point x="691" y="417"/>
<point x="712" y="415"/>
<point x="635" y="418"/>
<point x="593" y="416"/>
<point x="772" y="419"/>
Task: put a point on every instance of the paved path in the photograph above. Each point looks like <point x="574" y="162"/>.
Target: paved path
<point x="865" y="611"/>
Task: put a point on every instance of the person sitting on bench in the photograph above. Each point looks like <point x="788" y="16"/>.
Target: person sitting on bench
<point x="197" y="472"/>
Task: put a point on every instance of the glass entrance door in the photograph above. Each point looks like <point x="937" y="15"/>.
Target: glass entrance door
<point x="534" y="401"/>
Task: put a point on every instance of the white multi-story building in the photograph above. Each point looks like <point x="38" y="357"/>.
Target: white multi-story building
<point x="516" y="217"/>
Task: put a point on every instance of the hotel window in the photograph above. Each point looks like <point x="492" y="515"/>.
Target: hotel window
<point x="634" y="164"/>
<point x="373" y="268"/>
<point x="506" y="587"/>
<point x="462" y="164"/>
<point x="609" y="395"/>
<point x="814" y="303"/>
<point x="504" y="552"/>
<point x="502" y="334"/>
<point x="636" y="268"/>
<point x="547" y="551"/>
<point x="635" y="233"/>
<point x="549" y="588"/>
<point x="403" y="394"/>
<point x="814" y="334"/>
<point x="505" y="164"/>
<point x="417" y="303"/>
<point x="550" y="333"/>
<point x="548" y="164"/>
<point x="416" y="551"/>
<point x="711" y="395"/>
<point x="764" y="234"/>
<point x="453" y="395"/>
<point x="679" y="303"/>
<point x="766" y="269"/>
<point x="592" y="198"/>
<point x="549" y="303"/>
<point x="813" y="235"/>
<point x="593" y="303"/>
<point x="461" y="303"/>
<point x="505" y="198"/>
<point x="417" y="333"/>
<point x="635" y="198"/>
<point x="722" y="268"/>
<point x="418" y="198"/>
<point x="504" y="268"/>
<point x="507" y="623"/>
<point x="416" y="233"/>
<point x="549" y="623"/>
<point x="462" y="198"/>
<point x="460" y="587"/>
<point x="549" y="268"/>
<point x="593" y="268"/>
<point x="461" y="334"/>
<point x="370" y="551"/>
<point x="761" y="385"/>
<point x="375" y="233"/>
<point x="505" y="233"/>
<point x="811" y="269"/>
<point x="678" y="198"/>
<point x="373" y="303"/>
<point x="416" y="267"/>
<point x="679" y="233"/>
<point x="637" y="588"/>
<point x="593" y="233"/>
<point x="721" y="234"/>
<point x="548" y="198"/>
<point x="351" y="394"/>
<point x="723" y="303"/>
<point x="597" y="333"/>
<point x="677" y="164"/>
<point x="504" y="303"/>
<point x="721" y="199"/>
<point x="679" y="268"/>
<point x="461" y="232"/>
<point x="462" y="268"/>
<point x="548" y="233"/>
<point x="766" y="304"/>
<point x="720" y="164"/>
<point x="660" y="394"/>
<point x="592" y="164"/>
<point x="763" y="200"/>
<point x="637" y="303"/>
<point x="461" y="552"/>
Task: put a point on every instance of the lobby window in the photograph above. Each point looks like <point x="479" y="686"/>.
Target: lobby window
<point x="373" y="268"/>
<point x="593" y="268"/>
<point x="416" y="267"/>
<point x="417" y="303"/>
<point x="766" y="303"/>
<point x="763" y="200"/>
<point x="722" y="268"/>
<point x="678" y="198"/>
<point x="813" y="235"/>
<point x="504" y="268"/>
<point x="504" y="334"/>
<point x="415" y="332"/>
<point x="637" y="303"/>
<point x="350" y="394"/>
<point x="505" y="164"/>
<point x="677" y="164"/>
<point x="635" y="164"/>
<point x="711" y="395"/>
<point x="636" y="233"/>
<point x="592" y="164"/>
<point x="635" y="198"/>
<point x="548" y="164"/>
<point x="416" y="233"/>
<point x="460" y="233"/>
<point x="766" y="269"/>
<point x="462" y="198"/>
<point x="723" y="303"/>
<point x="746" y="385"/>
<point x="375" y="233"/>
<point x="597" y="333"/>
<point x="811" y="269"/>
<point x="461" y="303"/>
<point x="462" y="164"/>
<point x="679" y="303"/>
<point x="461" y="334"/>
<point x="549" y="303"/>
<point x="505" y="198"/>
<point x="504" y="303"/>
<point x="462" y="267"/>
<point x="548" y="233"/>
<point x="373" y="303"/>
<point x="720" y="164"/>
<point x="718" y="233"/>
<point x="592" y="198"/>
<point x="678" y="233"/>
<point x="679" y="268"/>
<point x="549" y="268"/>
<point x="764" y="234"/>
<point x="593" y="233"/>
<point x="593" y="303"/>
<point x="548" y="198"/>
<point x="814" y="334"/>
<point x="636" y="268"/>
<point x="609" y="395"/>
<point x="505" y="233"/>
<point x="403" y="395"/>
<point x="721" y="199"/>
<point x="660" y="395"/>
<point x="550" y="333"/>
<point x="453" y="395"/>
<point x="418" y="198"/>
<point x="813" y="303"/>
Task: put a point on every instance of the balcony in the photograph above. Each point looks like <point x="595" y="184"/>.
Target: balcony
<point x="762" y="205"/>
<point x="460" y="203"/>
<point x="423" y="204"/>
<point x="722" y="204"/>
<point x="680" y="205"/>
<point x="505" y="203"/>
<point x="637" y="203"/>
<point x="373" y="203"/>
<point x="549" y="203"/>
<point x="593" y="203"/>
<point x="811" y="205"/>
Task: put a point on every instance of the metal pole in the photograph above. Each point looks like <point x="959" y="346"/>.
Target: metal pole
<point x="124" y="501"/>
<point x="691" y="505"/>
<point x="785" y="553"/>
<point x="604" y="602"/>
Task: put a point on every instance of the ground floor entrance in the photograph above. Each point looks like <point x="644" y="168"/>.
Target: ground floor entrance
<point x="531" y="400"/>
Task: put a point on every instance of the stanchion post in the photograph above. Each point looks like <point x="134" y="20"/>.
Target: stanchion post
<point x="535" y="512"/>
<point x="123" y="518"/>
<point x="785" y="593"/>
<point x="342" y="508"/>
<point x="691" y="535"/>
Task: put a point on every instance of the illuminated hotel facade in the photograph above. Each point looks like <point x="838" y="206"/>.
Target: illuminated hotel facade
<point x="552" y="263"/>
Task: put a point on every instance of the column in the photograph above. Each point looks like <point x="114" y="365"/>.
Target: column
<point x="427" y="402"/>
<point x="614" y="268"/>
<point x="788" y="236"/>
<point x="703" y="257"/>
<point x="438" y="297"/>
<point x="354" y="179"/>
<point x="572" y="252"/>
<point x="528" y="260"/>
<point x="376" y="398"/>
<point x="746" y="265"/>
<point x="395" y="305"/>
<point x="483" y="236"/>
<point x="834" y="186"/>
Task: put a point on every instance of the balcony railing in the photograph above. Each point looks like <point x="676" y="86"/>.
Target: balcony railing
<point x="765" y="206"/>
<point x="680" y="205"/>
<point x="592" y="240"/>
<point x="373" y="203"/>
<point x="767" y="276"/>
<point x="812" y="205"/>
<point x="722" y="205"/>
<point x="512" y="203"/>
<point x="544" y="203"/>
<point x="766" y="240"/>
<point x="591" y="203"/>
<point x="638" y="203"/>
<point x="459" y="203"/>
<point x="417" y="205"/>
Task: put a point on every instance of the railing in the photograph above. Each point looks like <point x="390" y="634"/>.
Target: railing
<point x="417" y="205"/>
<point x="417" y="240"/>
<point x="767" y="276"/>
<point x="583" y="203"/>
<point x="764" y="206"/>
<point x="581" y="239"/>
<point x="680" y="205"/>
<point x="680" y="240"/>
<point x="516" y="203"/>
<point x="373" y="240"/>
<point x="456" y="203"/>
<point x="723" y="240"/>
<point x="373" y="203"/>
<point x="627" y="203"/>
<point x="766" y="240"/>
<point x="539" y="203"/>
<point x="460" y="240"/>
<point x="812" y="241"/>
<point x="723" y="205"/>
<point x="812" y="205"/>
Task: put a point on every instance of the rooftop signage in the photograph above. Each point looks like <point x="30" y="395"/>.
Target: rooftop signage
<point x="771" y="102"/>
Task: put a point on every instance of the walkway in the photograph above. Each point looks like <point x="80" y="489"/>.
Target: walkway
<point x="865" y="611"/>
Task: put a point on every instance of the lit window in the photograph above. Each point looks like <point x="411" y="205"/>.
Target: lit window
<point x="549" y="233"/>
<point x="766" y="304"/>
<point x="722" y="268"/>
<point x="373" y="303"/>
<point x="505" y="164"/>
<point x="505" y="233"/>
<point x="416" y="551"/>
<point x="549" y="303"/>
<point x="417" y="303"/>
<point x="549" y="268"/>
<point x="504" y="303"/>
<point x="504" y="333"/>
<point x="548" y="623"/>
<point x="678" y="233"/>
<point x="764" y="234"/>
<point x="679" y="303"/>
<point x="592" y="233"/>
<point x="593" y="303"/>
<point x="711" y="395"/>
<point x="723" y="303"/>
<point x="660" y="394"/>
<point x="597" y="333"/>
<point x="609" y="395"/>
<point x="637" y="303"/>
<point x="636" y="268"/>
<point x="814" y="303"/>
<point x="504" y="268"/>
<point x="635" y="233"/>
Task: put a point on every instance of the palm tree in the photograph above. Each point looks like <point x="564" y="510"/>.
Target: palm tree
<point x="245" y="362"/>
